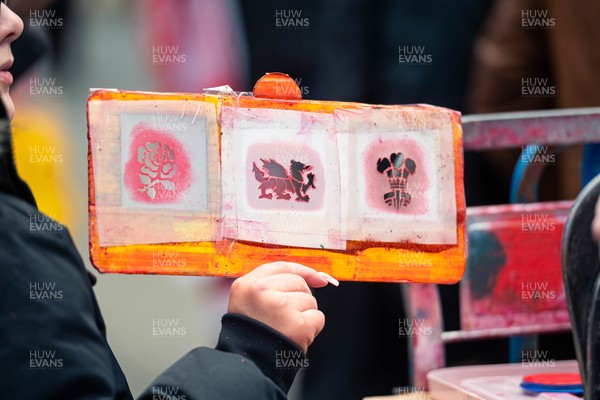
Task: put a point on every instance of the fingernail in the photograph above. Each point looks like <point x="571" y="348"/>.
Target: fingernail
<point x="329" y="278"/>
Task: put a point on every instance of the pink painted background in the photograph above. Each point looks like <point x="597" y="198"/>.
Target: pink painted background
<point x="283" y="152"/>
<point x="141" y="136"/>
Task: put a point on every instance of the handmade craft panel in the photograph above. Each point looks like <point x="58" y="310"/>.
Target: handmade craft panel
<point x="398" y="175"/>
<point x="155" y="185"/>
<point x="164" y="161"/>
<point x="281" y="178"/>
<point x="221" y="182"/>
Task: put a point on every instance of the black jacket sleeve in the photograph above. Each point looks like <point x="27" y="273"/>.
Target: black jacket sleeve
<point x="251" y="361"/>
<point x="52" y="337"/>
<point x="53" y="340"/>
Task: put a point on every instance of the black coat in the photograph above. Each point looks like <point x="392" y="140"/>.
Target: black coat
<point x="53" y="338"/>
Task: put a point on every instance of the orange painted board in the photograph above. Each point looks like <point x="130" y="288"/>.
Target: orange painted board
<point x="222" y="218"/>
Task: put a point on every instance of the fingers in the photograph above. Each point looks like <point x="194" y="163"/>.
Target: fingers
<point x="316" y="319"/>
<point x="278" y="294"/>
<point x="302" y="301"/>
<point x="312" y="277"/>
<point x="286" y="283"/>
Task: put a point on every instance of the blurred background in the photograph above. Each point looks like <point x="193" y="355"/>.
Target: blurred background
<point x="473" y="57"/>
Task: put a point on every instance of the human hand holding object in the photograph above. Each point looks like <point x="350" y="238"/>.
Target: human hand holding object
<point x="278" y="295"/>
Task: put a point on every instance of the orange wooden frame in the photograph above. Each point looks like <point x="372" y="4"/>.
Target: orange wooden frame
<point x="361" y="261"/>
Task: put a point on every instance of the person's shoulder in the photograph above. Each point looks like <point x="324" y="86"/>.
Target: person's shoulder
<point x="31" y="240"/>
<point x="22" y="224"/>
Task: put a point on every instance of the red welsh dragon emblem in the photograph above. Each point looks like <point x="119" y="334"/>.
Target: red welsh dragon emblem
<point x="283" y="184"/>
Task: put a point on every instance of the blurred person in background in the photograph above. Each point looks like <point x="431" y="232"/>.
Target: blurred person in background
<point x="538" y="55"/>
<point x="58" y="350"/>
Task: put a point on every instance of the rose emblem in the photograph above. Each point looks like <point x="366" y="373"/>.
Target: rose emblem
<point x="158" y="167"/>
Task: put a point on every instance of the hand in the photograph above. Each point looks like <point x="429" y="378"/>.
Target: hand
<point x="278" y="294"/>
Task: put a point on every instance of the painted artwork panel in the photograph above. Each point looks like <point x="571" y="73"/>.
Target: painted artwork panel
<point x="280" y="178"/>
<point x="398" y="175"/>
<point x="156" y="181"/>
<point x="164" y="161"/>
<point x="285" y="172"/>
<point x="262" y="207"/>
